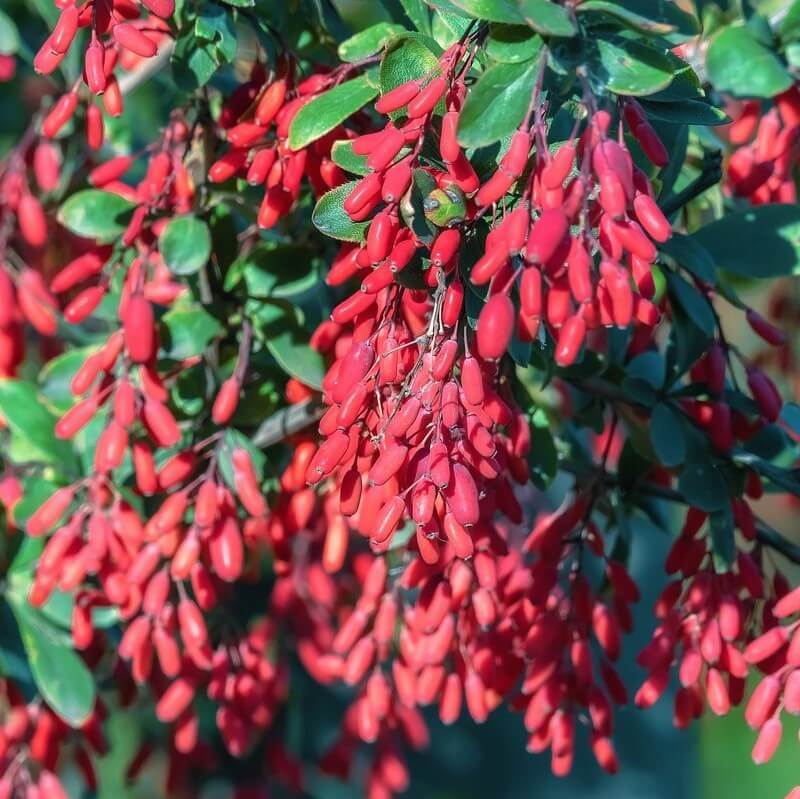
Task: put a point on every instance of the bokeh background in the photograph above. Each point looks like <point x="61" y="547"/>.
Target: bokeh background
<point x="709" y="761"/>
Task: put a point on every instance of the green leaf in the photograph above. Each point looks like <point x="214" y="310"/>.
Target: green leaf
<point x="277" y="271"/>
<point x="723" y="539"/>
<point x="185" y="245"/>
<point x="62" y="677"/>
<point x="342" y="154"/>
<point x="9" y="35"/>
<point x="368" y="42"/>
<point x="241" y="3"/>
<point x="330" y="109"/>
<point x="760" y="242"/>
<point x="29" y="419"/>
<point x="497" y="103"/>
<point x="330" y="218"/>
<point x="512" y="44"/>
<point x="189" y="329"/>
<point x="693" y="303"/>
<point x="690" y="254"/>
<point x="629" y="66"/>
<point x="738" y="63"/>
<point x="489" y="10"/>
<point x="547" y="18"/>
<point x="686" y="112"/>
<point x="704" y="485"/>
<point x="655" y="17"/>
<point x="296" y="358"/>
<point x="543" y="456"/>
<point x="215" y="24"/>
<point x="56" y="375"/>
<point x="194" y="62"/>
<point x="410" y="56"/>
<point x="96" y="214"/>
<point x="789" y="28"/>
<point x="667" y="435"/>
<point x="418" y="14"/>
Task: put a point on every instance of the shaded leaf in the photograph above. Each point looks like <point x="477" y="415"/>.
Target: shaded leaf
<point x="185" y="245"/>
<point x="760" y="242"/>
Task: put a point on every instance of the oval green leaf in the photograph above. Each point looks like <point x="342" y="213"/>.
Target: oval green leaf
<point x="497" y="103"/>
<point x="368" y="42"/>
<point x="547" y="18"/>
<point x="761" y="242"/>
<point x="96" y="214"/>
<point x="297" y="359"/>
<point x="185" y="245"/>
<point x="630" y="67"/>
<point x="61" y="676"/>
<point x="330" y="109"/>
<point x="738" y="63"/>
<point x="330" y="218"/>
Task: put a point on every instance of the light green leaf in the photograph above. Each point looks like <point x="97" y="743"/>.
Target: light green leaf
<point x="9" y="35"/>
<point x="330" y="109"/>
<point x="410" y="56"/>
<point x="368" y="42"/>
<point x="497" y="103"/>
<point x="29" y="419"/>
<point x="188" y="331"/>
<point x="342" y="154"/>
<point x="61" y="676"/>
<point x="330" y="218"/>
<point x="738" y="63"/>
<point x="185" y="245"/>
<point x="96" y="214"/>
<point x="512" y="44"/>
<point x="547" y="18"/>
<point x="629" y="66"/>
<point x="490" y="10"/>
<point x="418" y="14"/>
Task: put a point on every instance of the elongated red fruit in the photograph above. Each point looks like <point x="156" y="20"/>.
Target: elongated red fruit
<point x="546" y="236"/>
<point x="48" y="514"/>
<point x="652" y="218"/>
<point x="495" y="327"/>
<point x="570" y="340"/>
<point x="398" y="97"/>
<point x="226" y="401"/>
<point x="139" y="329"/>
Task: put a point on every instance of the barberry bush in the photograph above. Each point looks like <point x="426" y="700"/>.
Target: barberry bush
<point x="354" y="355"/>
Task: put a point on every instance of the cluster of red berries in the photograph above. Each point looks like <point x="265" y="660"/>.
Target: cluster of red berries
<point x="32" y="742"/>
<point x="767" y="147"/>
<point x="256" y="120"/>
<point x="120" y="36"/>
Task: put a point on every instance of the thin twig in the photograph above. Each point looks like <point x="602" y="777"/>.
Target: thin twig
<point x="132" y="80"/>
<point x="288" y="421"/>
